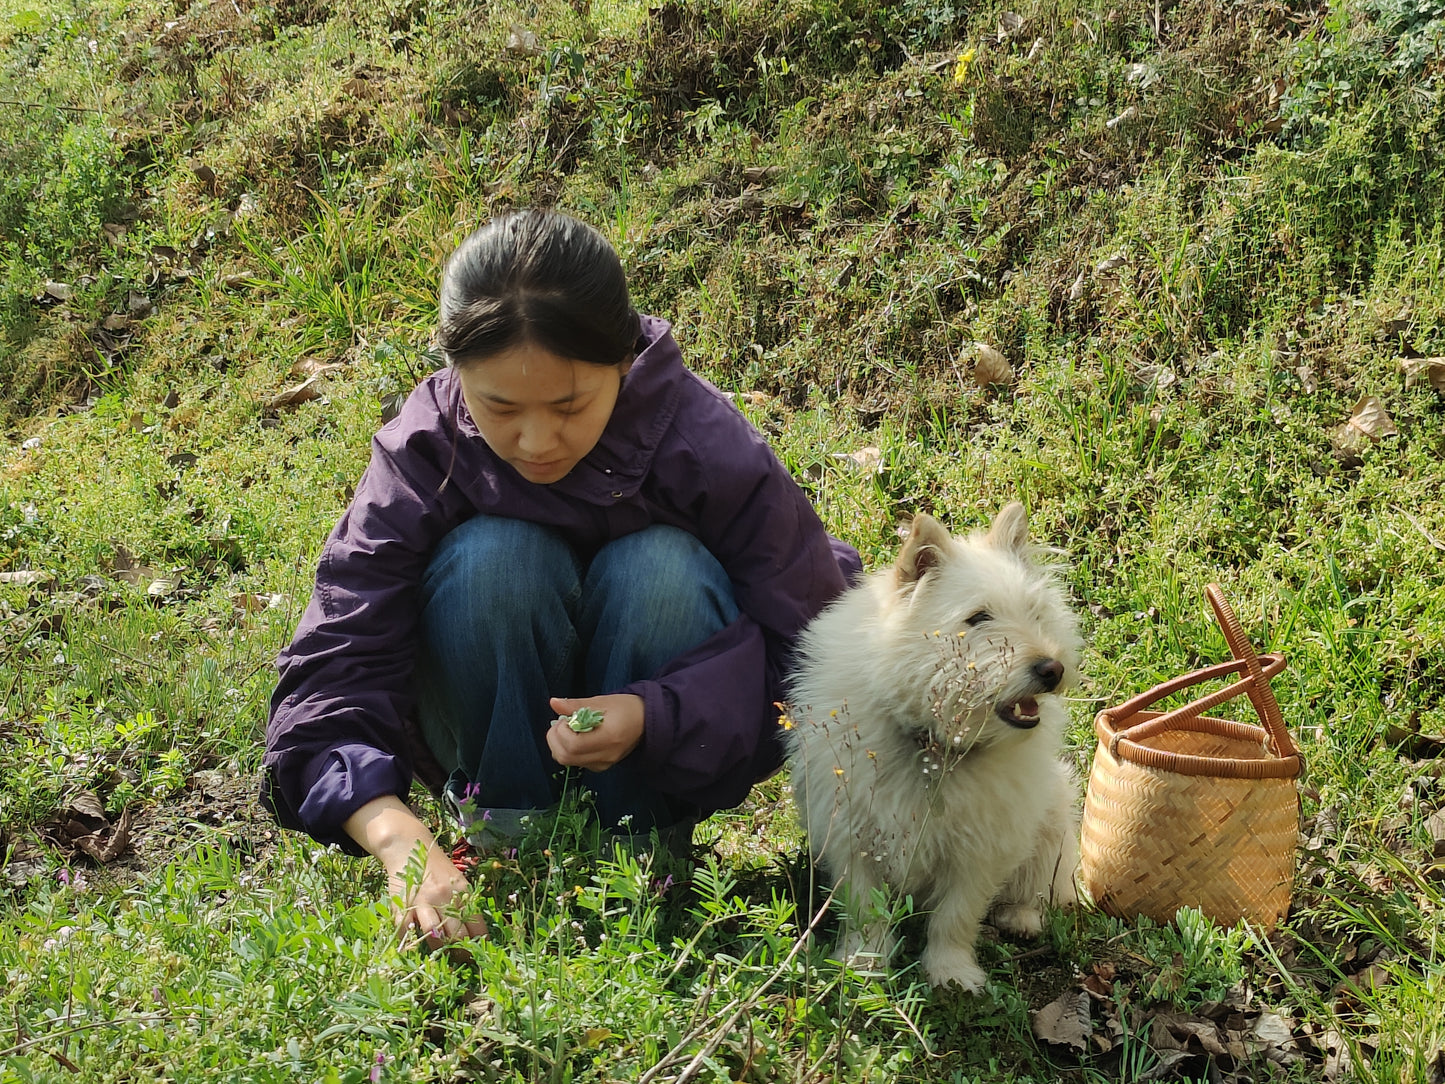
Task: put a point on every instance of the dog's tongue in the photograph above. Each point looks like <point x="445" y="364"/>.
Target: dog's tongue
<point x="1027" y="708"/>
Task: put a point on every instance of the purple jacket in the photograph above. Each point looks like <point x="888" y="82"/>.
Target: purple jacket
<point x="675" y="451"/>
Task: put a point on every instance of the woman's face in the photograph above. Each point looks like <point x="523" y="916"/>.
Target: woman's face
<point x="540" y="412"/>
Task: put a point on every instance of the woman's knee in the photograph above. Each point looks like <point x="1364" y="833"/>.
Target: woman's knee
<point x="508" y="565"/>
<point x="661" y="576"/>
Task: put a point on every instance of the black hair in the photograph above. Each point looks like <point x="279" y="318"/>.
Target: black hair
<point x="536" y="276"/>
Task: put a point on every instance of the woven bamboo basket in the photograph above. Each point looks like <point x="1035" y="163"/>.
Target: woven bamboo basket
<point x="1186" y="810"/>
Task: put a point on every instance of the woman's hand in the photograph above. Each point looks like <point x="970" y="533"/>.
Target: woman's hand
<point x="618" y="734"/>
<point x="426" y="914"/>
<point x="388" y="829"/>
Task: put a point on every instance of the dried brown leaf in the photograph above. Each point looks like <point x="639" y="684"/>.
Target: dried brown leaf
<point x="107" y="850"/>
<point x="1367" y="423"/>
<point x="522" y="42"/>
<point x="313" y="387"/>
<point x="307" y="367"/>
<point x="1009" y="24"/>
<point x="761" y="174"/>
<point x="866" y="460"/>
<point x="990" y="367"/>
<point x="1273" y="1036"/>
<point x="58" y="291"/>
<point x="1424" y="370"/>
<point x="1436" y="827"/>
<point x="125" y="566"/>
<point x="27" y="577"/>
<point x="1065" y="1021"/>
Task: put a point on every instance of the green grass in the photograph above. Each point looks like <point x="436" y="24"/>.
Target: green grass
<point x="1192" y="297"/>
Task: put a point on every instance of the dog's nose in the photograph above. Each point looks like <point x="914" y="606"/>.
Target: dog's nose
<point x="1049" y="672"/>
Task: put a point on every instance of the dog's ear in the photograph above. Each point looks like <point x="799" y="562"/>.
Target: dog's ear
<point x="927" y="546"/>
<point x="1010" y="528"/>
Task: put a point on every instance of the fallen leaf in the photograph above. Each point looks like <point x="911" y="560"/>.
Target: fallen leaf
<point x="1113" y="263"/>
<point x="246" y="603"/>
<point x="592" y="1038"/>
<point x="58" y="291"/>
<point x="761" y="174"/>
<point x="1065" y="1021"/>
<point x="1123" y="118"/>
<point x="990" y="367"/>
<point x="125" y="566"/>
<point x="162" y="586"/>
<point x="1364" y="982"/>
<point x="522" y="42"/>
<point x="1424" y="370"/>
<point x="313" y="387"/>
<point x="315" y="367"/>
<point x="116" y="321"/>
<point x="360" y="87"/>
<point x="1368" y="423"/>
<point x="1410" y="742"/>
<point x="1273" y="1036"/>
<point x="204" y="173"/>
<point x="1172" y="1031"/>
<point x="105" y="850"/>
<point x="1009" y="24"/>
<point x="1436" y="827"/>
<point x="1100" y="983"/>
<point x="138" y="304"/>
<point x="26" y="577"/>
<point x="868" y="460"/>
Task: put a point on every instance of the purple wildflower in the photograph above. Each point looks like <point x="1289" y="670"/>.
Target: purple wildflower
<point x="376" y="1067"/>
<point x="486" y="815"/>
<point x="63" y="875"/>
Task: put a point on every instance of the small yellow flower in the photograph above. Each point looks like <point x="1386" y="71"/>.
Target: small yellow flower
<point x="960" y="69"/>
<point x="785" y="722"/>
<point x="837" y="771"/>
<point x="834" y="713"/>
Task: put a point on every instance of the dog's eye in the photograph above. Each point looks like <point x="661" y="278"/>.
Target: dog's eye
<point x="978" y="618"/>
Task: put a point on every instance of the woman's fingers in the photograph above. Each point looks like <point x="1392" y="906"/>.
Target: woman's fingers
<point x="428" y="926"/>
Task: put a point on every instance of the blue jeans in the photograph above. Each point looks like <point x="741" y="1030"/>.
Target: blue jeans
<point x="513" y="615"/>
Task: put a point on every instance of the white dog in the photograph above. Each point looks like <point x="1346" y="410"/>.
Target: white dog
<point x="926" y="739"/>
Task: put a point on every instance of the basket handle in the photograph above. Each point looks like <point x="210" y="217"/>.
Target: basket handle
<point x="1258" y="690"/>
<point x="1272" y="665"/>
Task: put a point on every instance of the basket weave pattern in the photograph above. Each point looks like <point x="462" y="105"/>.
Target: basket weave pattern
<point x="1188" y="810"/>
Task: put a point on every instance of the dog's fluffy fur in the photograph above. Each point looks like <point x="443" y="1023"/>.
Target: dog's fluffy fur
<point x="926" y="738"/>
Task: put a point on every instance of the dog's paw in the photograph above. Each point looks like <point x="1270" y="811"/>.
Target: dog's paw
<point x="867" y="950"/>
<point x="953" y="964"/>
<point x="1020" y="919"/>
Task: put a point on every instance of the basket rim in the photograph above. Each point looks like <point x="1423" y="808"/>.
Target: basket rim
<point x="1109" y="731"/>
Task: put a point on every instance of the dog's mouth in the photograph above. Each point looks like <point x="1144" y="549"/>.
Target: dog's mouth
<point x="1022" y="713"/>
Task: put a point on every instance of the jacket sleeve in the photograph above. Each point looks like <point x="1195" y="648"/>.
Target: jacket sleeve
<point x="711" y="720"/>
<point x="336" y="737"/>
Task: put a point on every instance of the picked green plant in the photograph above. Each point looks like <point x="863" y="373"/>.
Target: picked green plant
<point x="584" y="719"/>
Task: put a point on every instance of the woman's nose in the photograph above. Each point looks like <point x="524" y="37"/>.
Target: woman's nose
<point x="535" y="436"/>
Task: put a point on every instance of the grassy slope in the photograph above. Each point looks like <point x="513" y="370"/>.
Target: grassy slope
<point x="833" y="210"/>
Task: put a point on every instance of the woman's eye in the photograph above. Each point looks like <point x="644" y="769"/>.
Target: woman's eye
<point x="978" y="618"/>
